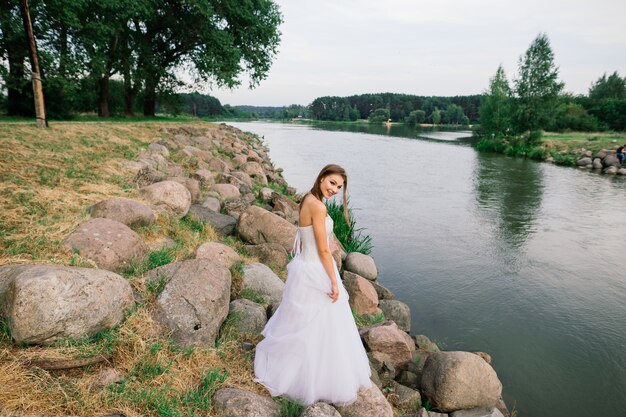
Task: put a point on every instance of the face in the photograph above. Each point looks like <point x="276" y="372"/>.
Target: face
<point x="331" y="185"/>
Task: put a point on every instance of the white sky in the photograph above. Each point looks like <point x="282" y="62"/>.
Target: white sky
<point x="431" y="47"/>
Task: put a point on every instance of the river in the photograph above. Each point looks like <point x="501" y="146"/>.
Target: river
<point x="520" y="259"/>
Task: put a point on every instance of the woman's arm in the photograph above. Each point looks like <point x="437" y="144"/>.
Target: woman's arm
<point x="318" y="216"/>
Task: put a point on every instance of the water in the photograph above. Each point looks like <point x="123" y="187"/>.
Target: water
<point x="523" y="260"/>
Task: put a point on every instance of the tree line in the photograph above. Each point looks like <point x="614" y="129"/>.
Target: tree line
<point x="93" y="52"/>
<point x="535" y="101"/>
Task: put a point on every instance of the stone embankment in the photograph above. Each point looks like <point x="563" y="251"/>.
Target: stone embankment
<point x="227" y="181"/>
<point x="603" y="161"/>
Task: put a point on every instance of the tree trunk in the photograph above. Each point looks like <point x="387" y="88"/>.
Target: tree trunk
<point x="103" y="97"/>
<point x="149" y="99"/>
<point x="18" y="102"/>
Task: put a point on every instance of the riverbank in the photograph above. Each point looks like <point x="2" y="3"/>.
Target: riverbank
<point x="54" y="176"/>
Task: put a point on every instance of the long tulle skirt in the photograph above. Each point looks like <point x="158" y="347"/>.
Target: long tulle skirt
<point x="312" y="350"/>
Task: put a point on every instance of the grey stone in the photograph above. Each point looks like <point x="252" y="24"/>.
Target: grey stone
<point x="235" y="402"/>
<point x="212" y="204"/>
<point x="621" y="171"/>
<point x="320" y="410"/>
<point x="407" y="399"/>
<point x="169" y="196"/>
<point x="250" y="316"/>
<point x="110" y="244"/>
<point x="257" y="225"/>
<point x="192" y="185"/>
<point x="422" y="412"/>
<point x="383" y="293"/>
<point x="584" y="162"/>
<point x="383" y="365"/>
<point x="48" y="303"/>
<point x="611" y="170"/>
<point x="459" y="380"/>
<point x="388" y="338"/>
<point x="408" y="379"/>
<point x="397" y="311"/>
<point x="362" y="295"/>
<point x="362" y="265"/>
<point x="222" y="223"/>
<point x="369" y="402"/>
<point x="597" y="163"/>
<point x="123" y="210"/>
<point x="218" y="253"/>
<point x="226" y="191"/>
<point x="194" y="300"/>
<point x="204" y="176"/>
<point x="478" y="412"/>
<point x="424" y="343"/>
<point x="271" y="254"/>
<point x="610" y="161"/>
<point x="263" y="281"/>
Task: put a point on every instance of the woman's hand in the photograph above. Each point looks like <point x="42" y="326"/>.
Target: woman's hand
<point x="334" y="294"/>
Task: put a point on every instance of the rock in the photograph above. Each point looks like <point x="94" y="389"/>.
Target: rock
<point x="408" y="379"/>
<point x="190" y="151"/>
<point x="611" y="170"/>
<point x="212" y="204"/>
<point x="242" y="177"/>
<point x="159" y="149"/>
<point x="416" y="366"/>
<point x="263" y="281"/>
<point x="169" y="196"/>
<point x="369" y="402"/>
<point x="148" y="175"/>
<point x="611" y="161"/>
<point x="265" y="194"/>
<point x="237" y="206"/>
<point x="204" y="177"/>
<point x="253" y="169"/>
<point x="222" y="223"/>
<point x="423" y="413"/>
<point x="219" y="166"/>
<point x="584" y="162"/>
<point x="601" y="154"/>
<point x="109" y="243"/>
<point x="383" y="365"/>
<point x="7" y="273"/>
<point x="362" y="265"/>
<point x="383" y="293"/>
<point x="285" y="208"/>
<point x="194" y="300"/>
<point x="597" y="163"/>
<point x="226" y="191"/>
<point x="363" y="297"/>
<point x="49" y="303"/>
<point x="424" y="343"/>
<point x="218" y="253"/>
<point x="397" y="311"/>
<point x="123" y="210"/>
<point x="193" y="186"/>
<point x="320" y="410"/>
<point x="407" y="399"/>
<point x="388" y="338"/>
<point x="478" y="412"/>
<point x="621" y="171"/>
<point x="235" y="402"/>
<point x="458" y="380"/>
<point x="271" y="254"/>
<point x="250" y="317"/>
<point x="238" y="160"/>
<point x="486" y="357"/>
<point x="257" y="225"/>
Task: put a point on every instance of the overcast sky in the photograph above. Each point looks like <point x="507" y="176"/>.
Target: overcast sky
<point x="431" y="47"/>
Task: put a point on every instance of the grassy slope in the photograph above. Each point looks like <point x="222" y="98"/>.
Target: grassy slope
<point x="48" y="178"/>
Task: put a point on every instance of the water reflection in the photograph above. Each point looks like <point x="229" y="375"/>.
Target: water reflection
<point x="397" y="130"/>
<point x="508" y="197"/>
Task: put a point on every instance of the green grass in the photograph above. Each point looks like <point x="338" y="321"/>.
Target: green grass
<point x="252" y="295"/>
<point x="352" y="238"/>
<point x="289" y="408"/>
<point x="101" y="343"/>
<point x="367" y="319"/>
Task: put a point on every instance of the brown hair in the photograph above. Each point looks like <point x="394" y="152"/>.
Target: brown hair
<point x="317" y="191"/>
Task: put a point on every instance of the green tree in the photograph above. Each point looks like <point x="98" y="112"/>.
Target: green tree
<point x="605" y="87"/>
<point x="379" y="115"/>
<point x="454" y="115"/>
<point x="537" y="88"/>
<point x="414" y="117"/>
<point x="436" y="116"/>
<point x="496" y="108"/>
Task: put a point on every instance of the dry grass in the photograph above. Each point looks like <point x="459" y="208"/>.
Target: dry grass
<point x="48" y="178"/>
<point x="593" y="141"/>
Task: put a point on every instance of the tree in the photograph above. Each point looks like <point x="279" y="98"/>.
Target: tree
<point x="454" y="115"/>
<point x="496" y="109"/>
<point x="537" y="88"/>
<point x="379" y="115"/>
<point x="414" y="117"/>
<point x="612" y="86"/>
<point x="436" y="116"/>
<point x="14" y="51"/>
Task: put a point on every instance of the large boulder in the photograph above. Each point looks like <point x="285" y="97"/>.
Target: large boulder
<point x="47" y="303"/>
<point x="610" y="161"/>
<point x="597" y="163"/>
<point x="388" y="338"/>
<point x="218" y="253"/>
<point x="248" y="316"/>
<point x="261" y="280"/>
<point x="7" y="273"/>
<point x="235" y="402"/>
<point x="226" y="191"/>
<point x="285" y="208"/>
<point x="397" y="311"/>
<point x="362" y="265"/>
<point x="222" y="223"/>
<point x="459" y="380"/>
<point x="382" y="364"/>
<point x="369" y="402"/>
<point x="194" y="301"/>
<point x="257" y="225"/>
<point x="169" y="196"/>
<point x="271" y="254"/>
<point x="192" y="185"/>
<point x="212" y="204"/>
<point x="363" y="297"/>
<point x="110" y="244"/>
<point x="422" y="412"/>
<point x="583" y="162"/>
<point x="405" y="398"/>
<point x="320" y="410"/>
<point x="383" y="293"/>
<point x="123" y="210"/>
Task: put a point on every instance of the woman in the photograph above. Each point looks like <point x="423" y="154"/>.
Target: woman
<point x="312" y="350"/>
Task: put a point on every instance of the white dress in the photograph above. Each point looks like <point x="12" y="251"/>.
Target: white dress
<point x="312" y="350"/>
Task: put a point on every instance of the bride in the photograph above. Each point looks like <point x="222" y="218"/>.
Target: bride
<point x="312" y="350"/>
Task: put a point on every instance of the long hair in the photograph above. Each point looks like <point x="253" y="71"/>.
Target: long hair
<point x="317" y="191"/>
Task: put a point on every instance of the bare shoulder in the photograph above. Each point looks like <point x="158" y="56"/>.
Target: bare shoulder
<point x="313" y="205"/>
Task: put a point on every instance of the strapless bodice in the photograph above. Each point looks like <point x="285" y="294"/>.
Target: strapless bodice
<point x="304" y="245"/>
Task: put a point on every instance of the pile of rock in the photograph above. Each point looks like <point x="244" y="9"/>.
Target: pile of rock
<point x="603" y="160"/>
<point x="47" y="303"/>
